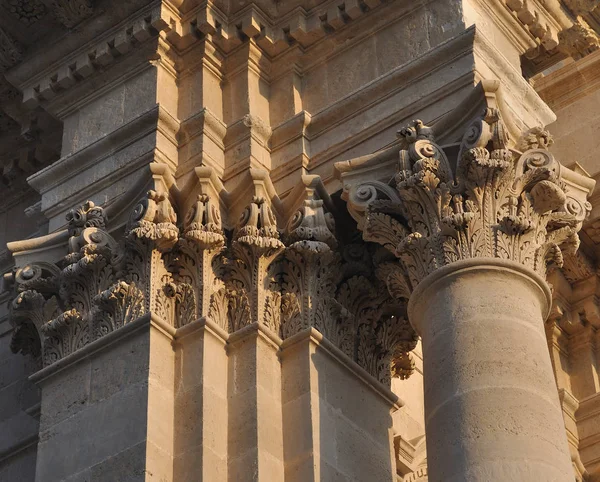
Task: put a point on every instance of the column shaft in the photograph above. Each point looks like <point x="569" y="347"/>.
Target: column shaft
<point x="491" y="405"/>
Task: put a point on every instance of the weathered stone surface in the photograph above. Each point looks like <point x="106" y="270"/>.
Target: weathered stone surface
<point x="208" y="310"/>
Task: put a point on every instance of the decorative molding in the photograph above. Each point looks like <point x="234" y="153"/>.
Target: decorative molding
<point x="78" y="66"/>
<point x="538" y="20"/>
<point x="205" y="22"/>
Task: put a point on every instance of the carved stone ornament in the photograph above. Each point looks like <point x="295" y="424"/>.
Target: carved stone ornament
<point x="10" y="52"/>
<point x="579" y="40"/>
<point x="27" y="11"/>
<point x="491" y="201"/>
<point x="285" y="272"/>
<point x="579" y="7"/>
<point x="71" y="12"/>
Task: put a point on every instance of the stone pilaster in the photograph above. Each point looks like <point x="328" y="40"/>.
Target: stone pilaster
<point x="245" y="329"/>
<point x="201" y="402"/>
<point x="473" y="232"/>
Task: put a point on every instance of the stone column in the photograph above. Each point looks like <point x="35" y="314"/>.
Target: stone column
<point x="491" y="403"/>
<point x="472" y="238"/>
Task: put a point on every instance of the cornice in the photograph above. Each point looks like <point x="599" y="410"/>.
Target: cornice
<point x="43" y="86"/>
<point x="73" y="164"/>
<point x="538" y="21"/>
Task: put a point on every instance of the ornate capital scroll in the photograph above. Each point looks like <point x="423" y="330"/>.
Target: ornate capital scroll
<point x="482" y="198"/>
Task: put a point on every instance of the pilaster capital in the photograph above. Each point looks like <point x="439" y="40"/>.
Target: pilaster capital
<point x="182" y="258"/>
<point x="484" y="197"/>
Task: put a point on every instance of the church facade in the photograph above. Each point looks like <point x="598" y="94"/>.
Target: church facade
<point x="299" y="240"/>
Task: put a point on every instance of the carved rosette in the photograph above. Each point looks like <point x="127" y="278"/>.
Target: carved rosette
<point x="497" y="203"/>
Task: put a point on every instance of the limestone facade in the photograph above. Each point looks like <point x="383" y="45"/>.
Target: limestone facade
<point x="299" y="240"/>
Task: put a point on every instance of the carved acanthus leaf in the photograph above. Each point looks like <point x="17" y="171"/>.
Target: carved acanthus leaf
<point x="497" y="203"/>
<point x="308" y="272"/>
<point x="64" y="335"/>
<point x="255" y="246"/>
<point x="246" y="277"/>
<point x="71" y="12"/>
<point x="116" y="306"/>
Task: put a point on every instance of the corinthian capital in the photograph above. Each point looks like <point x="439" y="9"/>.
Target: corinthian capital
<point x="487" y="200"/>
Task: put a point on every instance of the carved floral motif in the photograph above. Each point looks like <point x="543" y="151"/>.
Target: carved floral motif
<point x="71" y="12"/>
<point x="497" y="202"/>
